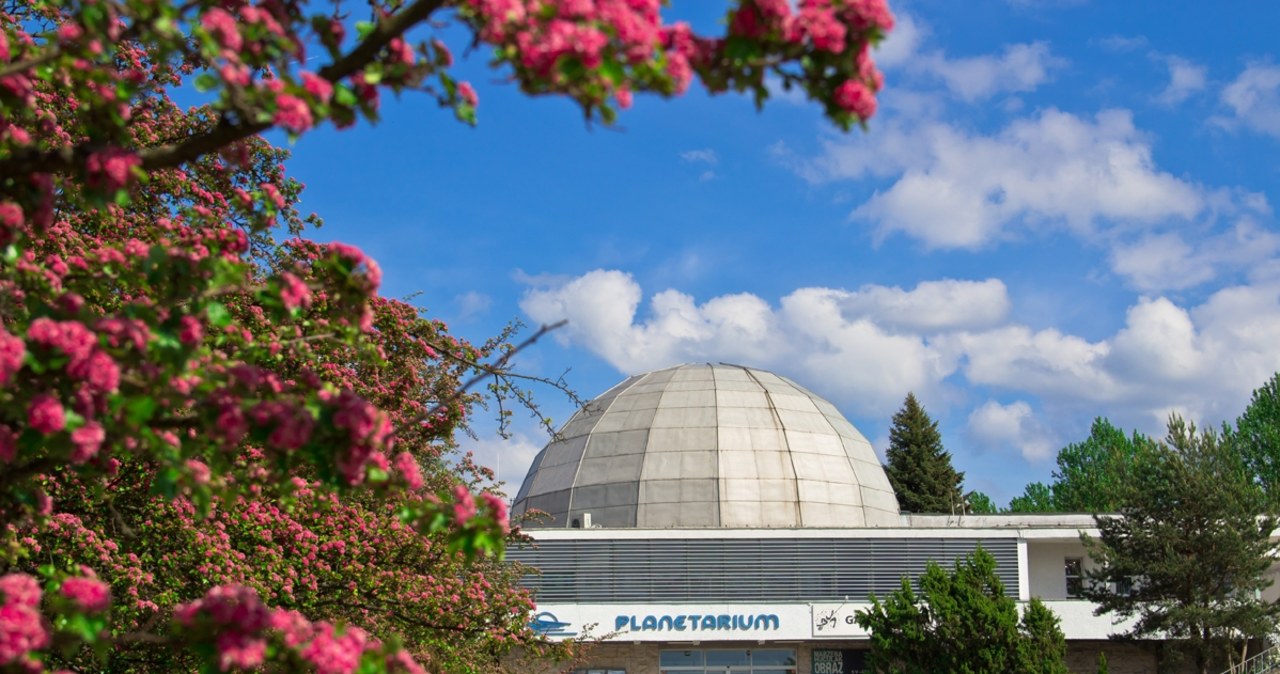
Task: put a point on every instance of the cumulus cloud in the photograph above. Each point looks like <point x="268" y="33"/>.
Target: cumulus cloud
<point x="956" y="189"/>
<point x="1254" y="99"/>
<point x="1022" y="67"/>
<point x="1168" y="261"/>
<point x="865" y="348"/>
<point x="1185" y="78"/>
<point x="902" y="43"/>
<point x="510" y="458"/>
<point x="1013" y="426"/>
<point x="876" y="337"/>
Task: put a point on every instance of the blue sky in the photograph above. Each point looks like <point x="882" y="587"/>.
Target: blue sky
<point x="1063" y="210"/>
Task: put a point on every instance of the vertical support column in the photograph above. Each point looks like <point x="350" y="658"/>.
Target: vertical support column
<point x="1024" y="572"/>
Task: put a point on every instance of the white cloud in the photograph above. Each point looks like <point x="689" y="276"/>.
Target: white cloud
<point x="1167" y="261"/>
<point x="510" y="458"/>
<point x="1012" y="426"/>
<point x="1254" y="99"/>
<point x="932" y="306"/>
<point x="472" y="305"/>
<point x="902" y="42"/>
<point x="1185" y="79"/>
<point x="704" y="156"/>
<point x="955" y="189"/>
<point x="866" y="348"/>
<point x="1022" y="67"/>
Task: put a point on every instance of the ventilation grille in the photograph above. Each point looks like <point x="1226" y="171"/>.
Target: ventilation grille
<point x="737" y="570"/>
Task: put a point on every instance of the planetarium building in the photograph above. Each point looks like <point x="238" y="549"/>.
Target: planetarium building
<point x="714" y="518"/>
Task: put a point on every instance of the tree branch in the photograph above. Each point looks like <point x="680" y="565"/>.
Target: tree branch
<point x="227" y="131"/>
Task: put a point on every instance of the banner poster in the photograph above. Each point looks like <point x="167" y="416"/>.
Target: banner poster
<point x="838" y="661"/>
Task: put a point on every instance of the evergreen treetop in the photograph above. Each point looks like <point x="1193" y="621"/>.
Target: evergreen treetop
<point x="919" y="467"/>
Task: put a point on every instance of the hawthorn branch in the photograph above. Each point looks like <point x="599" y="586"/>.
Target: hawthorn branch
<point x="228" y="130"/>
<point x="494" y="369"/>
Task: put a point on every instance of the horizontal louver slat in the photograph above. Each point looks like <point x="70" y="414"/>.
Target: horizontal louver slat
<point x="733" y="570"/>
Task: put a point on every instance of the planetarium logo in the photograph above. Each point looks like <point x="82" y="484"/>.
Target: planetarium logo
<point x="548" y="625"/>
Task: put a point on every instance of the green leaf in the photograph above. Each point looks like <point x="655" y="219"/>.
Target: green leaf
<point x="206" y="82"/>
<point x="140" y="409"/>
<point x="219" y="316"/>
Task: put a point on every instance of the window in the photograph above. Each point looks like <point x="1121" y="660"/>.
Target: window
<point x="728" y="661"/>
<point x="1073" y="566"/>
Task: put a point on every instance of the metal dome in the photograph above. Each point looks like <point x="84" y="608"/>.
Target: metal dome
<point x="705" y="445"/>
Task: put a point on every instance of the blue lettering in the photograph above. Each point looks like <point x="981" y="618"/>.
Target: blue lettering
<point x="693" y="620"/>
<point x="708" y="622"/>
<point x="680" y="626"/>
<point x="764" y="620"/>
<point x="665" y="620"/>
<point x="620" y="622"/>
<point x="650" y="623"/>
<point x="722" y="622"/>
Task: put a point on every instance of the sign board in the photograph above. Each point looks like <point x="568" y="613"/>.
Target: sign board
<point x="837" y="620"/>
<point x="838" y="661"/>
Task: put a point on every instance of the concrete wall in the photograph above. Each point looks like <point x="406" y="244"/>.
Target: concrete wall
<point x="1045" y="566"/>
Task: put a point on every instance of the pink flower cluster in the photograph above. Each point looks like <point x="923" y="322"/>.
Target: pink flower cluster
<point x="87" y="592"/>
<point x="111" y="169"/>
<point x="241" y="627"/>
<point x="12" y="351"/>
<point x="22" y="630"/>
<point x="546" y="33"/>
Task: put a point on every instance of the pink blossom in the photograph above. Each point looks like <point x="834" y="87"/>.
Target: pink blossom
<point x="331" y="653"/>
<point x="12" y="351"/>
<point x="87" y="440"/>
<point x="21" y="631"/>
<point x="111" y="169"/>
<point x="623" y="95"/>
<point x="72" y="338"/>
<point x="222" y="26"/>
<point x="855" y="97"/>
<point x="293" y="626"/>
<point x="468" y="94"/>
<point x="293" y="113"/>
<point x="819" y="22"/>
<point x="499" y="509"/>
<point x="45" y="414"/>
<point x="357" y="258"/>
<point x="227" y="606"/>
<point x="464" y="507"/>
<point x="21" y="628"/>
<point x="20" y="589"/>
<point x="198" y="470"/>
<point x="90" y="594"/>
<point x="317" y="86"/>
<point x="70" y="32"/>
<point x="293" y="292"/>
<point x="99" y="371"/>
<point x="408" y="468"/>
<point x="273" y="194"/>
<point x="190" y="330"/>
<point x="237" y="650"/>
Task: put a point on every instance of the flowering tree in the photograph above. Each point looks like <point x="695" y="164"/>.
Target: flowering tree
<point x="220" y="450"/>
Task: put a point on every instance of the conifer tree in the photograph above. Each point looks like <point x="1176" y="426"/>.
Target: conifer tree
<point x="919" y="468"/>
<point x="960" y="620"/>
<point x="1187" y="555"/>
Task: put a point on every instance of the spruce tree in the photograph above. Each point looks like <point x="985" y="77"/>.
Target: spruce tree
<point x="919" y="468"/>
